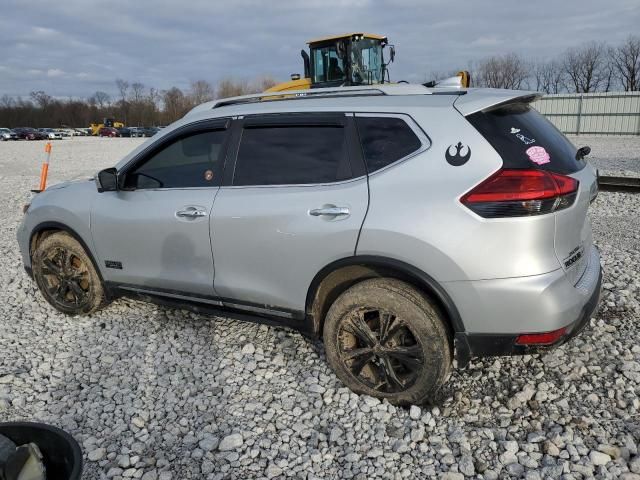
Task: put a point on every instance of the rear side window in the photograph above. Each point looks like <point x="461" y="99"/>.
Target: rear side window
<point x="385" y="140"/>
<point x="290" y="155"/>
<point x="525" y="139"/>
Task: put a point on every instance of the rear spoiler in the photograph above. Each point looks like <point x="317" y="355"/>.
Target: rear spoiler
<point x="477" y="100"/>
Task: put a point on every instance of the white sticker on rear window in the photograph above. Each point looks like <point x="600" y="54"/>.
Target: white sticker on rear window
<point x="538" y="155"/>
<point x="521" y="137"/>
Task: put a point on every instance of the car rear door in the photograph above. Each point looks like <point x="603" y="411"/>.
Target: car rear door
<point x="294" y="202"/>
<point x="154" y="232"/>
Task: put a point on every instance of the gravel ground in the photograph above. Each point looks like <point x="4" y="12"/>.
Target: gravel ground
<point x="612" y="155"/>
<point x="156" y="393"/>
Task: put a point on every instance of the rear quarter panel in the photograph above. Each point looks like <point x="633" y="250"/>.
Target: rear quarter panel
<point x="415" y="214"/>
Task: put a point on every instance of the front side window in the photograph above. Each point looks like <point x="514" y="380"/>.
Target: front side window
<point x="291" y="155"/>
<point x="190" y="161"/>
<point x="385" y="140"/>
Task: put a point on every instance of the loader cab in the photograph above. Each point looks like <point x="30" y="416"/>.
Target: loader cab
<point x="346" y="60"/>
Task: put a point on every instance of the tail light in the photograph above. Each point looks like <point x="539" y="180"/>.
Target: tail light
<point x="545" y="338"/>
<point x="520" y="193"/>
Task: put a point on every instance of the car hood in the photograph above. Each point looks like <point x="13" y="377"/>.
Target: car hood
<point x="70" y="183"/>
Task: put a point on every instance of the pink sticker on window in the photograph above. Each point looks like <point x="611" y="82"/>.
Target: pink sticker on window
<point x="538" y="155"/>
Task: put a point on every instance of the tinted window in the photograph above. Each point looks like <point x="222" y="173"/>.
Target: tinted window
<point x="385" y="140"/>
<point x="286" y="155"/>
<point x="328" y="65"/>
<point x="526" y="139"/>
<point x="193" y="161"/>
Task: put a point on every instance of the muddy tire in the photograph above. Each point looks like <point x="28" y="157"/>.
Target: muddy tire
<point x="66" y="275"/>
<point x="386" y="339"/>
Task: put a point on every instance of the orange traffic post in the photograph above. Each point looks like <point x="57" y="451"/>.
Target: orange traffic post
<point x="45" y="167"/>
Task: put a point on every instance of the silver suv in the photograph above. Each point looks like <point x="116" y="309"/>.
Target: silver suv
<point x="404" y="225"/>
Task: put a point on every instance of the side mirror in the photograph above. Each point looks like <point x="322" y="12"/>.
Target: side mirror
<point x="392" y="53"/>
<point x="107" y="180"/>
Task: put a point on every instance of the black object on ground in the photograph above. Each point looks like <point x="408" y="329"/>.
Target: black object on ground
<point x="61" y="454"/>
<point x="618" y="184"/>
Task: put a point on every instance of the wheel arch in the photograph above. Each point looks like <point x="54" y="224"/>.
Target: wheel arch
<point x="44" y="229"/>
<point x="339" y="275"/>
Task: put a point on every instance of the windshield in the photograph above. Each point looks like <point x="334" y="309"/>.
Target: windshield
<point x="366" y="61"/>
<point x="327" y="65"/>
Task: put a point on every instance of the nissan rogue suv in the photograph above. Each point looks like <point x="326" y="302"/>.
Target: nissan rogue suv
<point x="404" y="225"/>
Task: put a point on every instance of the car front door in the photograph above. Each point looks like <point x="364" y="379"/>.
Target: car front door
<point x="153" y="233"/>
<point x="295" y="201"/>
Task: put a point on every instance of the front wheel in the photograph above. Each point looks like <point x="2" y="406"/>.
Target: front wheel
<point x="386" y="339"/>
<point x="66" y="276"/>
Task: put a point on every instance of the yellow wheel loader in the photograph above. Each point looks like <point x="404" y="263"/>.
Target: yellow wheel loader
<point x="107" y="122"/>
<point x="346" y="60"/>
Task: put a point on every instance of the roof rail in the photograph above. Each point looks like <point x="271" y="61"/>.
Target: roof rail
<point x="298" y="95"/>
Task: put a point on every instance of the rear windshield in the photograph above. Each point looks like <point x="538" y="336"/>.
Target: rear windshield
<point x="525" y="139"/>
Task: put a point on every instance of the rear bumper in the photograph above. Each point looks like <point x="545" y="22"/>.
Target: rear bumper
<point x="470" y="345"/>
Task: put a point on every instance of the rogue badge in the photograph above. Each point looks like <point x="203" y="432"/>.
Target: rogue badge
<point x="457" y="159"/>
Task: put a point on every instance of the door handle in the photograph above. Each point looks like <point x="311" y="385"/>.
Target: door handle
<point x="191" y="213"/>
<point x="329" y="211"/>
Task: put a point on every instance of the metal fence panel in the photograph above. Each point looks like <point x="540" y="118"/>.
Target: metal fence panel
<point x="611" y="113"/>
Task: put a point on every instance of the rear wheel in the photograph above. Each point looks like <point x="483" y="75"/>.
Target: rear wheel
<point x="386" y="339"/>
<point x="66" y="276"/>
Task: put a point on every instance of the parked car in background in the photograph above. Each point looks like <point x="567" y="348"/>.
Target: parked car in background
<point x="124" y="132"/>
<point x="51" y="133"/>
<point x="135" y="131"/>
<point x="67" y="132"/>
<point x="7" y="134"/>
<point x="108" y="132"/>
<point x="82" y="132"/>
<point x="149" y="131"/>
<point x="28" y="133"/>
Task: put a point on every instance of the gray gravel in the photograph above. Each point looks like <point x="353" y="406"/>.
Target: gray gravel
<point x="156" y="393"/>
<point x="612" y="155"/>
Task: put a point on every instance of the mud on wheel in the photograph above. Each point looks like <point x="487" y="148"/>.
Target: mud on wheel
<point x="386" y="339"/>
<point x="66" y="276"/>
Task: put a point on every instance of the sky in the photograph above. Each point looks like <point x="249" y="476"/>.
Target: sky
<point x="72" y="48"/>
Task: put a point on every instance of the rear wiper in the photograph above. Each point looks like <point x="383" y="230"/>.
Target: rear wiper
<point x="583" y="152"/>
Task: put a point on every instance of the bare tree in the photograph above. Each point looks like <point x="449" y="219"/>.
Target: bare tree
<point x="101" y="99"/>
<point x="548" y="76"/>
<point x="175" y="104"/>
<point x="229" y="87"/>
<point x="201" y="91"/>
<point x="262" y="83"/>
<point x="504" y="71"/>
<point x="587" y="68"/>
<point x="626" y="63"/>
<point x="137" y="90"/>
<point x="7" y="102"/>
<point x="123" y="87"/>
<point x="41" y="99"/>
<point x="154" y="97"/>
